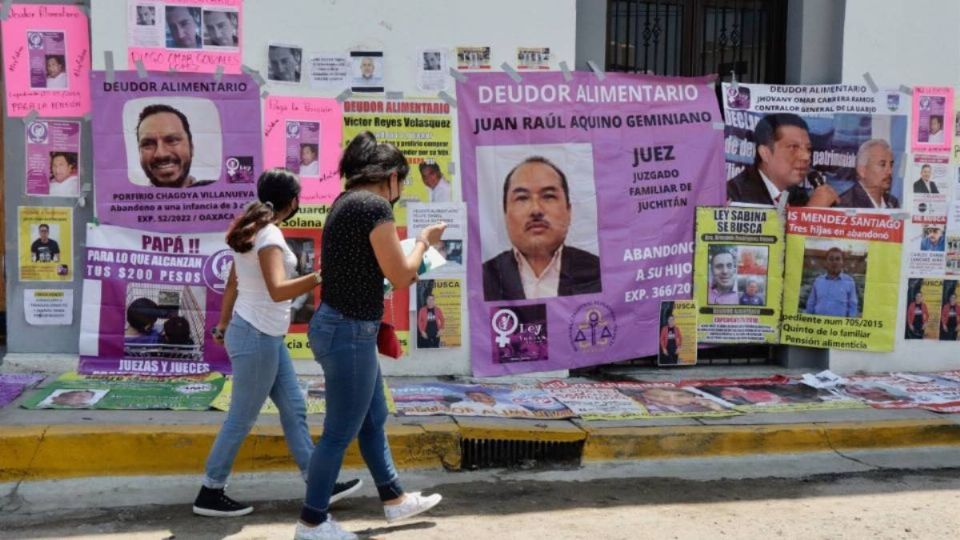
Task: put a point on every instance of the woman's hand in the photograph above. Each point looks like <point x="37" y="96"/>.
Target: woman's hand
<point x="431" y="235"/>
<point x="218" y="334"/>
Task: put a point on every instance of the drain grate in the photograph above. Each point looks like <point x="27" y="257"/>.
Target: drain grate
<point x="493" y="453"/>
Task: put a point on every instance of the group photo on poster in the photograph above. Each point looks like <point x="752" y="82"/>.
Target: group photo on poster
<point x="175" y="151"/>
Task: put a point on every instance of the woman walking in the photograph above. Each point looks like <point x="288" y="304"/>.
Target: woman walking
<point x="256" y="313"/>
<point x="359" y="248"/>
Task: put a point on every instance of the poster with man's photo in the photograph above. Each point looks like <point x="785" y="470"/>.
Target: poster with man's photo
<point x="367" y="71"/>
<point x="739" y="274"/>
<point x="580" y="199"/>
<point x="432" y="70"/>
<point x="841" y="279"/>
<point x="932" y="112"/>
<point x="820" y="146"/>
<point x="175" y="152"/>
<point x="150" y="301"/>
<point x="284" y="63"/>
<point x="45" y="250"/>
<point x="53" y="158"/>
<point x="193" y="36"/>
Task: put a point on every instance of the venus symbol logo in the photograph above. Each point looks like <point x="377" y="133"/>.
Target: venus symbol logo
<point x="233" y="165"/>
<point x="293" y="129"/>
<point x="35" y="40"/>
<point x="37" y="132"/>
<point x="504" y="323"/>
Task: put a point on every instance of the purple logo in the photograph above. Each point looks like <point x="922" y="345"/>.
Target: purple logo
<point x="738" y="97"/>
<point x="37" y="133"/>
<point x="593" y="327"/>
<point x="293" y="129"/>
<point x="217" y="269"/>
<point x="519" y="334"/>
<point x="35" y="40"/>
<point x="893" y="102"/>
<point x="239" y="169"/>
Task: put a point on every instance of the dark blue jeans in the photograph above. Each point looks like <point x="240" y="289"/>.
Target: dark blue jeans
<point x="356" y="408"/>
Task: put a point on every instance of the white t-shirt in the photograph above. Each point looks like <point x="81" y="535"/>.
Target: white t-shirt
<point x="311" y="169"/>
<point x="441" y="192"/>
<point x="253" y="300"/>
<point x="68" y="188"/>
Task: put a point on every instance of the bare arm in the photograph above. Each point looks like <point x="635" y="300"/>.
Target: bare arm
<point x="399" y="269"/>
<point x="279" y="287"/>
<point x="226" y="307"/>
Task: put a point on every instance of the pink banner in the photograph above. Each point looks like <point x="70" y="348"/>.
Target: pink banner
<point x="304" y="136"/>
<point x="185" y="35"/>
<point x="46" y="60"/>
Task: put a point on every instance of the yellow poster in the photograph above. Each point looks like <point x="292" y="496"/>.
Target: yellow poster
<point x="738" y="278"/>
<point x="423" y="130"/>
<point x="678" y="333"/>
<point x="46" y="243"/>
<point x="841" y="281"/>
<point x="437" y="319"/>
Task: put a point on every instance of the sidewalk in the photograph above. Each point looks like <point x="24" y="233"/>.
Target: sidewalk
<point x="62" y="444"/>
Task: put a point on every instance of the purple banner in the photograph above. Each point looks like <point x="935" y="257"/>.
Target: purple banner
<point x="175" y="152"/>
<point x="581" y="199"/>
<point x="53" y="150"/>
<point x="150" y="300"/>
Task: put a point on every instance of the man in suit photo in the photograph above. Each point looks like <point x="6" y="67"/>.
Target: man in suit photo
<point x="874" y="175"/>
<point x="537" y="211"/>
<point x="924" y="185"/>
<point x="780" y="165"/>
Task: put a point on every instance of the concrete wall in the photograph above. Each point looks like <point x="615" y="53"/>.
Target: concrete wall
<point x="814" y="38"/>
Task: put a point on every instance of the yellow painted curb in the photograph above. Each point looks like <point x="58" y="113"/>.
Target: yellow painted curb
<point x="545" y="431"/>
<point x="627" y="443"/>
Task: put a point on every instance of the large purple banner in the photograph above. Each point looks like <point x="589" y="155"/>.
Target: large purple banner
<point x="150" y="300"/>
<point x="581" y="198"/>
<point x="174" y="152"/>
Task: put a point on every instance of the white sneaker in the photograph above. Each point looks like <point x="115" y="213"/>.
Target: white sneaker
<point x="413" y="504"/>
<point x="328" y="530"/>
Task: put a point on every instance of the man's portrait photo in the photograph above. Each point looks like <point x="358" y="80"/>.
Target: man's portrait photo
<point x="432" y="60"/>
<point x="925" y="183"/>
<point x="722" y="278"/>
<point x="164" y="147"/>
<point x="146" y="15"/>
<point x="545" y="245"/>
<point x="66" y="398"/>
<point x="220" y="28"/>
<point x="45" y="249"/>
<point x="284" y="63"/>
<point x="438" y="187"/>
<point x="834" y="273"/>
<point x="183" y="27"/>
<point x="874" y="178"/>
<point x="367" y="71"/>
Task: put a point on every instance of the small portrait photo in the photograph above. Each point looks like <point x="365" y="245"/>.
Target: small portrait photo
<point x="183" y="27"/>
<point x="934" y="238"/>
<point x="56" y="67"/>
<point x="64" y="180"/>
<point x="164" y="321"/>
<point x="737" y="275"/>
<point x="923" y="308"/>
<point x="303" y="148"/>
<point x="432" y="60"/>
<point x="305" y="250"/>
<point x="366" y="71"/>
<point x="220" y="28"/>
<point x="44" y="247"/>
<point x="284" y="63"/>
<point x="73" y="398"/>
<point x="834" y="274"/>
<point x="538" y="208"/>
<point x="949" y="311"/>
<point x="930" y="178"/>
<point x="172" y="142"/>
<point x="146" y="15"/>
<point x="738" y="97"/>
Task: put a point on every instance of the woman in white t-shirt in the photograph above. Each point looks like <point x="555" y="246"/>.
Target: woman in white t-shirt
<point x="254" y="318"/>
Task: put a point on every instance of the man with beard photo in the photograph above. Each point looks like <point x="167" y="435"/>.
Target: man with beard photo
<point x="166" y="147"/>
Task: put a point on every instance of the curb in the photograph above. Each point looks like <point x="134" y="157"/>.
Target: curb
<point x="70" y="451"/>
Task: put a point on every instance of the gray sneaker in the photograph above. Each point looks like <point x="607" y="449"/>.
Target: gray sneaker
<point x="328" y="530"/>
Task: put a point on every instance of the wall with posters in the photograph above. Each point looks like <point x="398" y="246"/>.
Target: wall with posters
<point x="919" y="27"/>
<point x="399" y="32"/>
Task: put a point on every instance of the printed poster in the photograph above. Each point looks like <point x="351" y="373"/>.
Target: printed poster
<point x="53" y="158"/>
<point x="48" y="307"/>
<point x="932" y="111"/>
<point x="422" y="130"/>
<point x="46" y="243"/>
<point x="328" y="70"/>
<point x="842" y="277"/>
<point x="533" y="57"/>
<point x="437" y="313"/>
<point x="739" y="275"/>
<point x="827" y="126"/>
<point x="595" y="185"/>
<point x="313" y="389"/>
<point x="175" y="152"/>
<point x="193" y="36"/>
<point x="73" y="391"/>
<point x="304" y="135"/>
<point x="932" y="310"/>
<point x="305" y="245"/>
<point x="938" y="392"/>
<point x="595" y="400"/>
<point x="498" y="400"/>
<point x="469" y="58"/>
<point x="13" y="384"/>
<point x="773" y="395"/>
<point x="452" y="242"/>
<point x="366" y="71"/>
<point x="661" y="399"/>
<point x="432" y="70"/>
<point x="150" y="300"/>
<point x="677" y="337"/>
<point x="46" y="60"/>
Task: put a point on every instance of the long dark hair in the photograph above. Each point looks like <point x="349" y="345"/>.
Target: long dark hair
<point x="276" y="190"/>
<point x="365" y="161"/>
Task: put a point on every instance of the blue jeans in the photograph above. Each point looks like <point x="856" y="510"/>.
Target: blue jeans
<point x="261" y="368"/>
<point x="356" y="408"/>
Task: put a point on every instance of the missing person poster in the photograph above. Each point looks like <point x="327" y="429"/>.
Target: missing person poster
<point x="841" y="280"/>
<point x="53" y="158"/>
<point x="422" y="130"/>
<point x="175" y="152"/>
<point x="580" y="198"/>
<point x="150" y="301"/>
<point x="304" y="135"/>
<point x="198" y="36"/>
<point x="46" y="60"/>
<point x="739" y="275"/>
<point x="437" y="313"/>
<point x="46" y="243"/>
<point x="677" y="336"/>
<point x="932" y="112"/>
<point x="932" y="310"/>
<point x="845" y="137"/>
<point x="305" y="245"/>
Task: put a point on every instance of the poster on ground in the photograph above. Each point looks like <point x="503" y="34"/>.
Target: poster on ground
<point x="774" y="395"/>
<point x="199" y="36"/>
<point x="150" y="301"/>
<point x="841" y="280"/>
<point x="313" y="389"/>
<point x="500" y="400"/>
<point x="73" y="391"/>
<point x="45" y="248"/>
<point x="595" y="400"/>
<point x="13" y="384"/>
<point x="739" y="275"/>
<point x="53" y="158"/>
<point x="46" y="60"/>
<point x="662" y="399"/>
<point x="175" y="152"/>
<point x="581" y="196"/>
<point x="938" y="392"/>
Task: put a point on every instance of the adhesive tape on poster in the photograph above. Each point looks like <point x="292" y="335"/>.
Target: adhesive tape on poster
<point x="508" y="69"/>
<point x="596" y="70"/>
<point x="718" y="126"/>
<point x="900" y="215"/>
<point x="108" y="66"/>
<point x="567" y="76"/>
<point x="345" y="95"/>
<point x="254" y="74"/>
<point x="218" y="74"/>
<point x="870" y="82"/>
<point x="394" y="96"/>
<point x="5" y="11"/>
<point x="447" y="98"/>
<point x="141" y="69"/>
<point x="460" y="77"/>
<point x="906" y="90"/>
<point x="451" y="168"/>
<point x="31" y="116"/>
